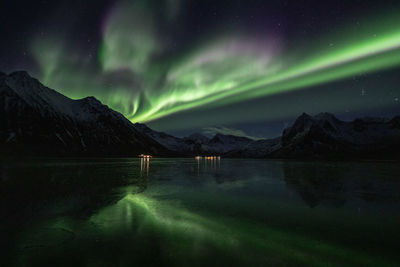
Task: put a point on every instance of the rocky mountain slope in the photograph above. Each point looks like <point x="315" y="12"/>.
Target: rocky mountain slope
<point x="198" y="144"/>
<point x="326" y="136"/>
<point x="37" y="120"/>
<point x="321" y="136"/>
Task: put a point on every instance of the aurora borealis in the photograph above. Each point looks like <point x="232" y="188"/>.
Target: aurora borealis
<point x="249" y="133"/>
<point x="175" y="64"/>
<point x="238" y="213"/>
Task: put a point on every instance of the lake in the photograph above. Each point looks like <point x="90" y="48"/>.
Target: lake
<point x="179" y="212"/>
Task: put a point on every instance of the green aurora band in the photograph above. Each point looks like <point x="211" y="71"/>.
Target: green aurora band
<point x="363" y="58"/>
<point x="226" y="70"/>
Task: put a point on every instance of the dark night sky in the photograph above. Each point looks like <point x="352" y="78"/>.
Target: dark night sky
<point x="242" y="67"/>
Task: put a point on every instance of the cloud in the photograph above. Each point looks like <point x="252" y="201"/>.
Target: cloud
<point x="211" y="131"/>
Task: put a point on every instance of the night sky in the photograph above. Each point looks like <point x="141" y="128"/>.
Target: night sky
<point x="241" y="67"/>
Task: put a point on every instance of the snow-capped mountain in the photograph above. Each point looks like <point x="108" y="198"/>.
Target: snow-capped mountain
<point x="35" y="119"/>
<point x="197" y="138"/>
<point x="257" y="149"/>
<point x="188" y="146"/>
<point x="220" y="144"/>
<point x="171" y="142"/>
<point x="324" y="135"/>
<point x="197" y="144"/>
<point x="321" y="136"/>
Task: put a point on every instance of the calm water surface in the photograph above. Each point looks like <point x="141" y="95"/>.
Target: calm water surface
<point x="128" y="212"/>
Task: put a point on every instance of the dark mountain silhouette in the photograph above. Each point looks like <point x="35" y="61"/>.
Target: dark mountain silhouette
<point x="326" y="136"/>
<point x="322" y="136"/>
<point x="37" y="120"/>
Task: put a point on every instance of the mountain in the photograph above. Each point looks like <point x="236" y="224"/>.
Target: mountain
<point x="325" y="136"/>
<point x="198" y="144"/>
<point x="188" y="146"/>
<point x="263" y="148"/>
<point x="310" y="137"/>
<point x="37" y="120"/>
<point x="219" y="144"/>
<point x="171" y="142"/>
<point x="197" y="138"/>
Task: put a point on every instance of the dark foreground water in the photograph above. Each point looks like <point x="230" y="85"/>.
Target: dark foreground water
<point x="184" y="212"/>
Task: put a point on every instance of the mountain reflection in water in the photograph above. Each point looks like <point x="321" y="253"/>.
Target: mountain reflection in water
<point x="119" y="212"/>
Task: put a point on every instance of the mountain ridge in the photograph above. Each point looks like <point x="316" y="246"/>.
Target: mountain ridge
<point x="37" y="120"/>
<point x="324" y="135"/>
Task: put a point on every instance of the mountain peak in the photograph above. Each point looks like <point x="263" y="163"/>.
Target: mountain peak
<point x="302" y="119"/>
<point x="304" y="115"/>
<point x="19" y="73"/>
<point x="327" y="118"/>
<point x="91" y="99"/>
<point x="197" y="137"/>
<point x="45" y="121"/>
<point x="219" y="137"/>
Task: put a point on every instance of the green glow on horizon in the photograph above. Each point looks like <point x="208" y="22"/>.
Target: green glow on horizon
<point x="220" y="71"/>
